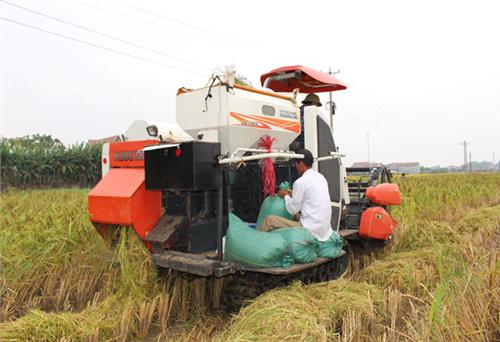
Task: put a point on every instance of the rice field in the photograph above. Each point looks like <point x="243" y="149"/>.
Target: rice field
<point x="439" y="279"/>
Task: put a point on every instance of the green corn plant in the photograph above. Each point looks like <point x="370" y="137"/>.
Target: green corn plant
<point x="40" y="161"/>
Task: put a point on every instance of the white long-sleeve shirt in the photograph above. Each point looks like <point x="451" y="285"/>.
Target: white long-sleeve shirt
<point x="311" y="197"/>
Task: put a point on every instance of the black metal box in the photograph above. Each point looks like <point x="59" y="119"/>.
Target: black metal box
<point x="191" y="166"/>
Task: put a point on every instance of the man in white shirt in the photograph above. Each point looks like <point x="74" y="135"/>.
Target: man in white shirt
<point x="310" y="197"/>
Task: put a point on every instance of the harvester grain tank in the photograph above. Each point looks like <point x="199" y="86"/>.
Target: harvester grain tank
<point x="176" y="183"/>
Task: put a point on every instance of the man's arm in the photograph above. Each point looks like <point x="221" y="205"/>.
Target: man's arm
<point x="294" y="203"/>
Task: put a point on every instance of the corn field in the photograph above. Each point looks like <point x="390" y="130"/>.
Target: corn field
<point x="438" y="280"/>
<point x="41" y="161"/>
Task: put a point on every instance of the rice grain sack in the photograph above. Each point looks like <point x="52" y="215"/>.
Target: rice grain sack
<point x="332" y="247"/>
<point x="272" y="205"/>
<point x="253" y="248"/>
<point x="302" y="245"/>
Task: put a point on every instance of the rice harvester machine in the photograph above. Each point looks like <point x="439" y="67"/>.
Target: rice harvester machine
<point x="175" y="183"/>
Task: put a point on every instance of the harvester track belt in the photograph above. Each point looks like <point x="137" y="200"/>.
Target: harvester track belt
<point x="247" y="285"/>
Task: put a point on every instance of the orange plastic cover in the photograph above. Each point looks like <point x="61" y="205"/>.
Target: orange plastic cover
<point x="121" y="198"/>
<point x="376" y="224"/>
<point x="384" y="194"/>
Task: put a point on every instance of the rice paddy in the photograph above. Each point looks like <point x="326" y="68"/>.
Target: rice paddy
<point x="439" y="279"/>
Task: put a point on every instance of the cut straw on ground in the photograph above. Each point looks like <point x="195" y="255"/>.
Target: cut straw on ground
<point x="438" y="280"/>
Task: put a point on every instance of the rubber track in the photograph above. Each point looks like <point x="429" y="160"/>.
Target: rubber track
<point x="240" y="288"/>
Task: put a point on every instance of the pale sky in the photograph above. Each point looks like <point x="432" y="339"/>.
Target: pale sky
<point x="423" y="76"/>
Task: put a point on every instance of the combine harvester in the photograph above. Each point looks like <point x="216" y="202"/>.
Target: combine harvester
<point x="176" y="183"/>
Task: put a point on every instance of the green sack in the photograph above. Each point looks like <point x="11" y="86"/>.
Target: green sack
<point x="272" y="205"/>
<point x="253" y="248"/>
<point x="302" y="245"/>
<point x="332" y="247"/>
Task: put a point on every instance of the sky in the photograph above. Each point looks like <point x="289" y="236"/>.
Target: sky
<point x="422" y="76"/>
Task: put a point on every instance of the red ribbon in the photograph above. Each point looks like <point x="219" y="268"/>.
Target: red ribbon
<point x="267" y="167"/>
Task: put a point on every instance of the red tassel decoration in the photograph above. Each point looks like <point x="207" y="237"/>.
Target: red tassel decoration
<point x="267" y="167"/>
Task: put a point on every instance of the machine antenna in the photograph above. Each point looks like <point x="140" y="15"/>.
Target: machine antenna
<point x="331" y="104"/>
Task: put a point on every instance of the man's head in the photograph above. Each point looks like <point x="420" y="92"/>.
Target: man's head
<point x="312" y="100"/>
<point x="302" y="165"/>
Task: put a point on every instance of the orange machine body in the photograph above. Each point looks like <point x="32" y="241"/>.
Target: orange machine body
<point x="376" y="224"/>
<point x="384" y="194"/>
<point x="120" y="198"/>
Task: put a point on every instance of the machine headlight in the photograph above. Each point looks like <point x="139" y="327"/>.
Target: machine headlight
<point x="152" y="130"/>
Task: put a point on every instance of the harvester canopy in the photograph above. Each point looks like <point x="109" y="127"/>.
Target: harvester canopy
<point x="307" y="80"/>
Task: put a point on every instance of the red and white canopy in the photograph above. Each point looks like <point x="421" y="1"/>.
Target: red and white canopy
<point x="307" y="80"/>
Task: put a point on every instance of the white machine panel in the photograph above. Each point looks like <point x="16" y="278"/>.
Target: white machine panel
<point x="336" y="177"/>
<point x="238" y="117"/>
<point x="105" y="159"/>
<point x="170" y="132"/>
